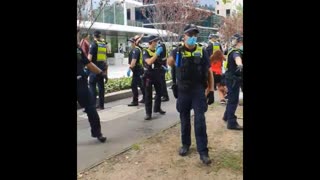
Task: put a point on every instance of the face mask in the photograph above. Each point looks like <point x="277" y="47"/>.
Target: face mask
<point x="192" y="41"/>
<point x="241" y="48"/>
<point x="129" y="44"/>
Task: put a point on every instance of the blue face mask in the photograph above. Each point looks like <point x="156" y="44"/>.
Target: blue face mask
<point x="241" y="48"/>
<point x="192" y="41"/>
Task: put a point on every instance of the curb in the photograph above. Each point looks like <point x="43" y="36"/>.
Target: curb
<point x="114" y="96"/>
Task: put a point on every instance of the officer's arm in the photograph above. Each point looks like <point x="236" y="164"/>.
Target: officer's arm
<point x="93" y="68"/>
<point x="171" y="61"/>
<point x="151" y="60"/>
<point x="210" y="80"/>
<point x="238" y="61"/>
<point x="90" y="57"/>
<point x="133" y="63"/>
<point x="135" y="56"/>
<point x="209" y="49"/>
<point x="210" y="74"/>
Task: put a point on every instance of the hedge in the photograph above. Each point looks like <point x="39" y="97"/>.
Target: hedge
<point x="123" y="83"/>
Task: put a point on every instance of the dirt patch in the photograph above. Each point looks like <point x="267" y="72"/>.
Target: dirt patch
<point x="157" y="157"/>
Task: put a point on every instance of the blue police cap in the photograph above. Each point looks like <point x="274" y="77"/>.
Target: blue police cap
<point x="97" y="33"/>
<point x="153" y="38"/>
<point x="238" y="37"/>
<point x="213" y="36"/>
<point x="191" y="27"/>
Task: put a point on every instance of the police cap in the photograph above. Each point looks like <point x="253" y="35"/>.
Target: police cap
<point x="97" y="34"/>
<point x="153" y="38"/>
<point x="191" y="28"/>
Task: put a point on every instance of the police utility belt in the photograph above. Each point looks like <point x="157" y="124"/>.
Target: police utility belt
<point x="152" y="68"/>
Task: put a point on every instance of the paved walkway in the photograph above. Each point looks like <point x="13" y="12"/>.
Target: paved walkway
<point x="123" y="126"/>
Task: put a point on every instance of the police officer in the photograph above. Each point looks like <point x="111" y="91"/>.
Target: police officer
<point x="136" y="66"/>
<point x="194" y="81"/>
<point x="153" y="67"/>
<point x="233" y="81"/>
<point x="98" y="55"/>
<point x="84" y="96"/>
<point x="213" y="44"/>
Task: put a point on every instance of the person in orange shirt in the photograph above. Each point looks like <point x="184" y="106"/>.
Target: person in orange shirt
<point x="216" y="58"/>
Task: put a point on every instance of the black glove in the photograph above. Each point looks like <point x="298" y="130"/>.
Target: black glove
<point x="175" y="90"/>
<point x="210" y="98"/>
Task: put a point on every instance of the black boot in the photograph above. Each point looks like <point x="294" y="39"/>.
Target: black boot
<point x="100" y="107"/>
<point x="133" y="104"/>
<point x="205" y="159"/>
<point x="160" y="111"/>
<point x="142" y="101"/>
<point x="147" y="117"/>
<point x="184" y="150"/>
<point x="164" y="98"/>
<point x="102" y="139"/>
<point x="236" y="127"/>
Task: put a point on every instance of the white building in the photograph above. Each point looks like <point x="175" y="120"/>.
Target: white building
<point x="228" y="8"/>
<point x="117" y="23"/>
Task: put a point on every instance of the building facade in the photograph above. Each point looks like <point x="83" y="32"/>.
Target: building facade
<point x="228" y="8"/>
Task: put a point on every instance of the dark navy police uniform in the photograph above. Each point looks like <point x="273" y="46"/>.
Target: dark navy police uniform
<point x="95" y="80"/>
<point x="137" y="72"/>
<point x="233" y="82"/>
<point x="152" y="77"/>
<point x="84" y="96"/>
<point x="192" y="76"/>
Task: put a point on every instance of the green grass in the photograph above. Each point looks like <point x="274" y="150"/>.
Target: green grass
<point x="229" y="160"/>
<point x="136" y="147"/>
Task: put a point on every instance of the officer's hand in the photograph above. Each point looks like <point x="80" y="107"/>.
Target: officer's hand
<point x="210" y="98"/>
<point x="102" y="75"/>
<point x="128" y="72"/>
<point x="239" y="68"/>
<point x="159" y="51"/>
<point x="175" y="90"/>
